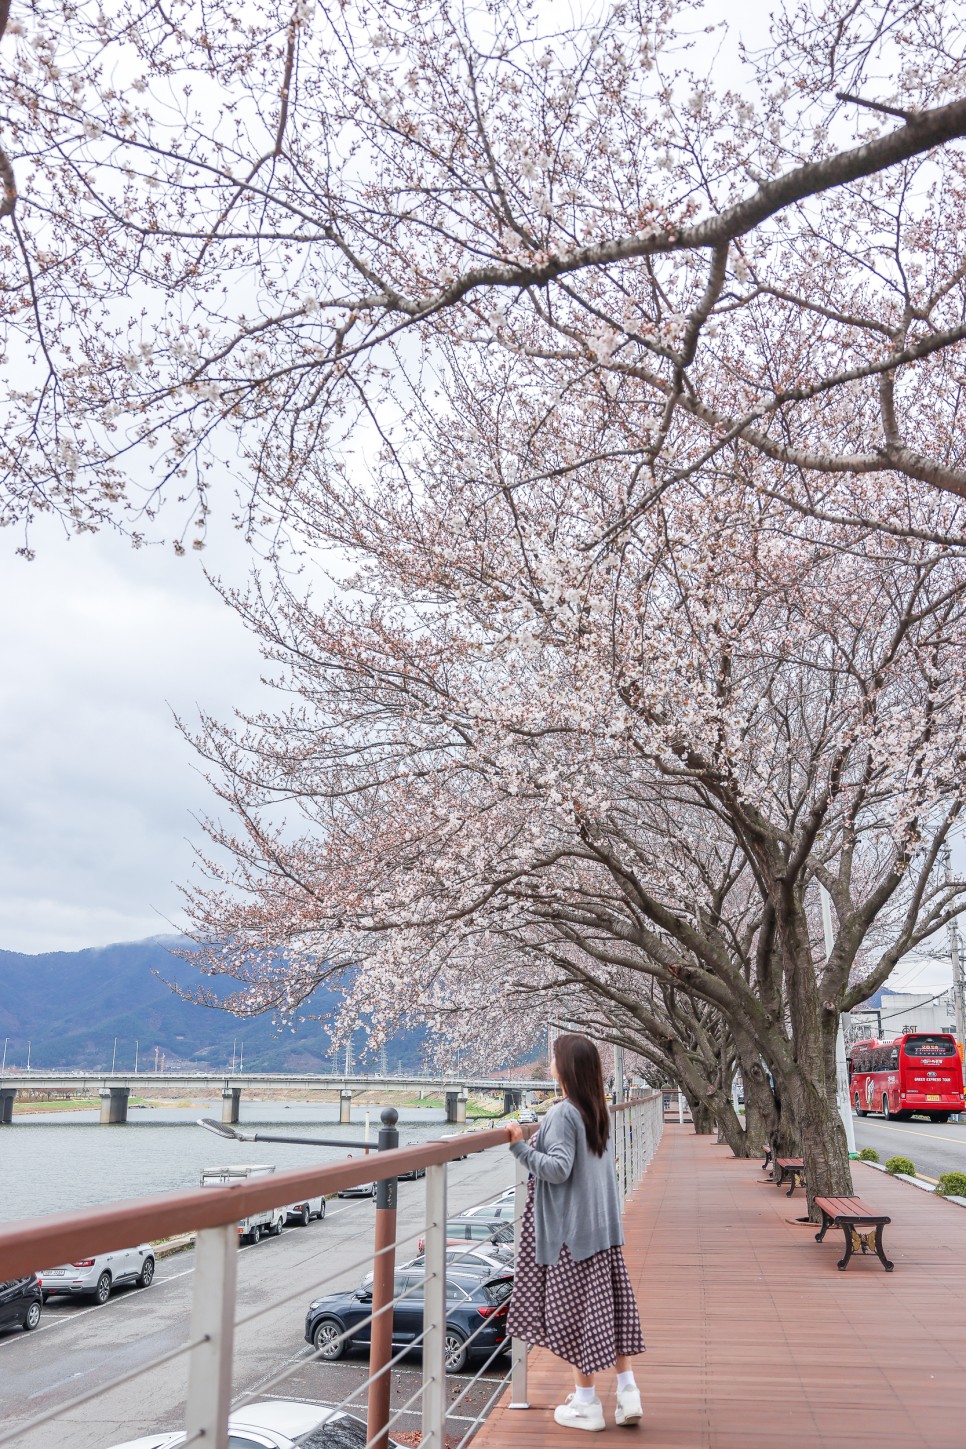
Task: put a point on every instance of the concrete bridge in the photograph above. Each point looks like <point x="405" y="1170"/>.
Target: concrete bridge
<point x="114" y="1088"/>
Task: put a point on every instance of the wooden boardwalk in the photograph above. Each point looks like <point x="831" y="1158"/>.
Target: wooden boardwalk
<point x="755" y="1339"/>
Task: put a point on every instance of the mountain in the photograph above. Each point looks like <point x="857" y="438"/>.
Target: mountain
<point x="71" y="1005"/>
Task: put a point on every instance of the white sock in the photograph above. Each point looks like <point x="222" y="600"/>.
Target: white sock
<point x="584" y="1396"/>
<point x="625" y="1381"/>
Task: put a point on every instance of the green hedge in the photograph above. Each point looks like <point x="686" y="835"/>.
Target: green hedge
<point x="868" y="1154"/>
<point x="901" y="1164"/>
<point x="952" y="1184"/>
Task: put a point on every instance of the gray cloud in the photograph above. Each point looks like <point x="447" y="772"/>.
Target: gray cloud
<point x="97" y="787"/>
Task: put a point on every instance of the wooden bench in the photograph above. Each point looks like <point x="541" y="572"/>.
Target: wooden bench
<point x="790" y="1167"/>
<point x="851" y="1214"/>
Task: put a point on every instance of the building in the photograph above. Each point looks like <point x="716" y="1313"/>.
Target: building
<point x="889" y="1014"/>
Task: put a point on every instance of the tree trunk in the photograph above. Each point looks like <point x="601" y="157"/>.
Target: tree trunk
<point x="701" y="1115"/>
<point x="730" y="1127"/>
<point x="756" y="1132"/>
<point x="814" y="1111"/>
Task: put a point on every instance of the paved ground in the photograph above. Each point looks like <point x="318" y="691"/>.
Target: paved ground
<point x="755" y="1339"/>
<point x="935" y="1147"/>
<point x="78" y="1347"/>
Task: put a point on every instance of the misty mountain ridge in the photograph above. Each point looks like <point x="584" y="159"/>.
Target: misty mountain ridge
<point x="71" y="1005"/>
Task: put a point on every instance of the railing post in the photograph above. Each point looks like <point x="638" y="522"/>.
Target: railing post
<point x="518" y="1351"/>
<point x="213" y="1319"/>
<point x="434" y="1312"/>
<point x="384" y="1267"/>
<point x="636" y="1129"/>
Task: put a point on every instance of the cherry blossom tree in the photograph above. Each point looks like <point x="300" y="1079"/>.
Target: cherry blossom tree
<point x="240" y="242"/>
<point x="512" y="755"/>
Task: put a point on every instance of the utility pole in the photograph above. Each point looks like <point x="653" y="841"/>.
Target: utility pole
<point x="114" y="1057"/>
<point x="956" y="955"/>
<point x="136" y="1045"/>
<point x="841" y="1066"/>
<point x="28" y="1056"/>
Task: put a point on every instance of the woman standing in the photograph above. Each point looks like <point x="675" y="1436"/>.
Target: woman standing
<point x="571" y="1292"/>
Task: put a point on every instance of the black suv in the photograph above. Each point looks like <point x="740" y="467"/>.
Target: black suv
<point x="20" y="1301"/>
<point x="476" y="1309"/>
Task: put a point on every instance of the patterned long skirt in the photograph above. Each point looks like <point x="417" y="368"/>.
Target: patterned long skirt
<point x="585" y="1312"/>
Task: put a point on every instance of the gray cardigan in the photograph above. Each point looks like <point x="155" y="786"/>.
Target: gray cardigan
<point x="575" y="1198"/>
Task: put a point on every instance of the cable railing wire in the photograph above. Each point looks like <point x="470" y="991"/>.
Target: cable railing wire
<point x="635" y="1157"/>
<point x="12" y="1435"/>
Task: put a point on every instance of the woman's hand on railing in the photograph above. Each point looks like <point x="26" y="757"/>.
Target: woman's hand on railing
<point x="515" y="1130"/>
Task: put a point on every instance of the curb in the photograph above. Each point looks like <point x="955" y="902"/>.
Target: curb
<point x="174" y="1245"/>
<point x="916" y="1182"/>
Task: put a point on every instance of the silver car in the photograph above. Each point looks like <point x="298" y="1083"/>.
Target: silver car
<point x="96" y="1277"/>
<point x="278" y="1424"/>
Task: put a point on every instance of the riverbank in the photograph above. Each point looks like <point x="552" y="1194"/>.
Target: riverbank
<point x="478" y="1108"/>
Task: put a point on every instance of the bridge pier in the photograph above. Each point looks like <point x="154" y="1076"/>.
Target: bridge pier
<point x="114" y="1104"/>
<point x="456" y="1105"/>
<point x="7" y="1095"/>
<point x="345" y="1107"/>
<point x="230" y="1098"/>
<point x="512" y="1100"/>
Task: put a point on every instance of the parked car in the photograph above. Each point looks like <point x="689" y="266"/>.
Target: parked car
<point x="97" y="1277"/>
<point x="303" y="1212"/>
<point x="278" y="1424"/>
<point x="498" y="1257"/>
<point x="527" y="1114"/>
<point x="448" y="1137"/>
<point x="474" y="1230"/>
<point x="20" y="1301"/>
<point x="338" y="1321"/>
<point x="362" y="1189"/>
<point x="417" y="1172"/>
<point x="495" y="1212"/>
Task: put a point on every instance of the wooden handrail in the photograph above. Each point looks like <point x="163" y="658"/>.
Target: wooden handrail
<point x="29" y="1244"/>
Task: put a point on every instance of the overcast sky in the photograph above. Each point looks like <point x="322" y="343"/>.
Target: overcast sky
<point x="97" y="788"/>
<point x="103" y="643"/>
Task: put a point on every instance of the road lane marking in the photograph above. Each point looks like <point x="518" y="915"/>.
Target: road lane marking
<point x="911" y="1132"/>
<point x="69" y="1379"/>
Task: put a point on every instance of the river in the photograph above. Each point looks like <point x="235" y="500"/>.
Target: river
<point x="54" y="1161"/>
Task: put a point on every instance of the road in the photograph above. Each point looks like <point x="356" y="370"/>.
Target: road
<point x="78" y="1347"/>
<point x="934" y="1147"/>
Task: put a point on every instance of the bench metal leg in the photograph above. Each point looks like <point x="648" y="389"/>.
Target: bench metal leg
<point x="887" y="1264"/>
<point x="849" y="1242"/>
<point x="798" y="1180"/>
<point x="826" y="1224"/>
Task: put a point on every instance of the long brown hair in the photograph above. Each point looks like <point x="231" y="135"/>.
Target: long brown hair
<point x="582" y="1078"/>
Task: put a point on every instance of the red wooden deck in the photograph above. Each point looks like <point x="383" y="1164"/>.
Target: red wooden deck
<point x="755" y="1339"/>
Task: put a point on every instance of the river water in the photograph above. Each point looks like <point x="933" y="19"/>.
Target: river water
<point x="55" y="1161"/>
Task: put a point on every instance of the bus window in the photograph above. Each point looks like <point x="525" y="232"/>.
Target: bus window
<point x="930" y="1046"/>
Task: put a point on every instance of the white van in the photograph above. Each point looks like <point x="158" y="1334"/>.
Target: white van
<point x="270" y="1220"/>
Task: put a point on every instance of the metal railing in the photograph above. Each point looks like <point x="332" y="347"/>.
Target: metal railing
<point x="214" y="1214"/>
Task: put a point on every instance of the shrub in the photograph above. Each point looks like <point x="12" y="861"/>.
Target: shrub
<point x="901" y="1164"/>
<point x="952" y="1184"/>
<point x="868" y="1154"/>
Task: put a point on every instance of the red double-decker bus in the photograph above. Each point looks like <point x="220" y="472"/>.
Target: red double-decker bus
<point x="921" y="1072"/>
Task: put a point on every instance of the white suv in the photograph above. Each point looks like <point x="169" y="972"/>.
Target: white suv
<point x="95" y="1277"/>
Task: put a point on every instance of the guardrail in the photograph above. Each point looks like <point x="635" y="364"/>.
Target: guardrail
<point x="214" y="1215"/>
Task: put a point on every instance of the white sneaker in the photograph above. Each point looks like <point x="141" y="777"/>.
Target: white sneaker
<point x="629" y="1409"/>
<point x="580" y="1416"/>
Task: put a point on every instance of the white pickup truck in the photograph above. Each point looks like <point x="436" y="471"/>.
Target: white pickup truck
<point x="270" y="1221"/>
